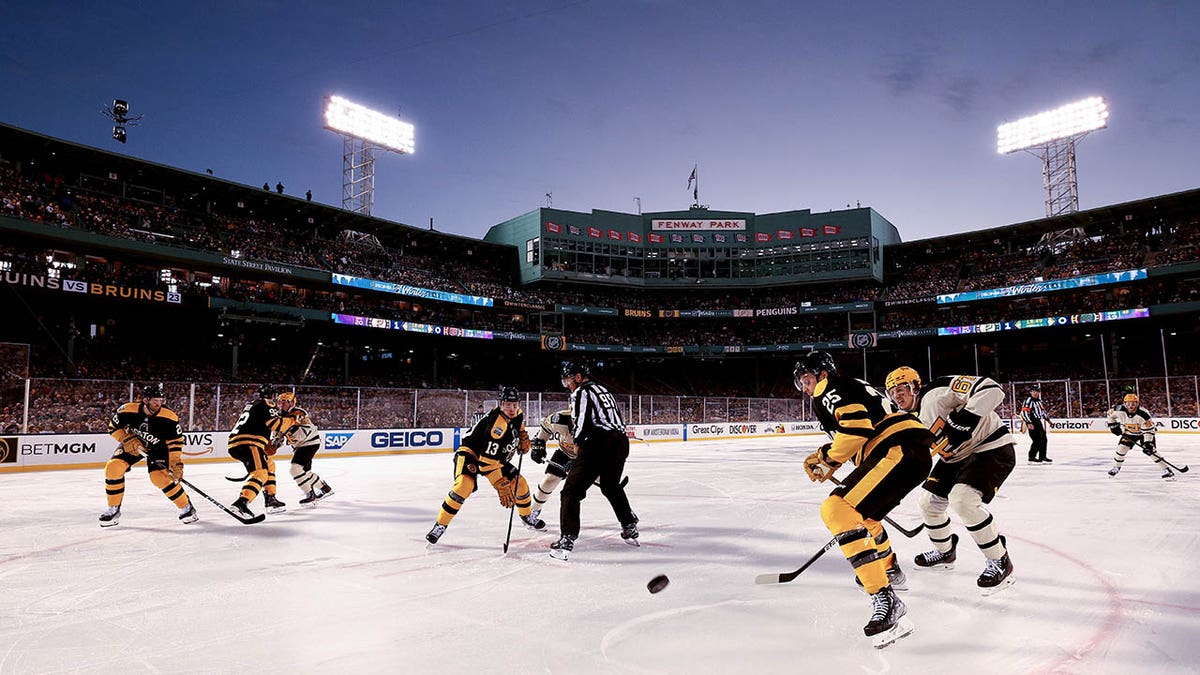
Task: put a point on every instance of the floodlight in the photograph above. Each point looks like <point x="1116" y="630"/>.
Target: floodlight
<point x="1072" y="119"/>
<point x="378" y="129"/>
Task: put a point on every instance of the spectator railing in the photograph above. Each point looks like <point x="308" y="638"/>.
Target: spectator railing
<point x="68" y="406"/>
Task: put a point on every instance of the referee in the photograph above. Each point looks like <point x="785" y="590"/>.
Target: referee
<point x="603" y="448"/>
<point x="1033" y="413"/>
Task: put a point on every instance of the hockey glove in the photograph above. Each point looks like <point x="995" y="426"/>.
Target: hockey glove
<point x="538" y="450"/>
<point x="176" y="465"/>
<point x="133" y="445"/>
<point x="570" y="449"/>
<point x="272" y="448"/>
<point x="1148" y="447"/>
<point x="525" y="443"/>
<point x="506" y="489"/>
<point x="960" y="424"/>
<point x="819" y="466"/>
<point x="1115" y="428"/>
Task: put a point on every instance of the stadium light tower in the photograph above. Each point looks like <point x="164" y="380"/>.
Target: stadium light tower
<point x="363" y="131"/>
<point x="1051" y="136"/>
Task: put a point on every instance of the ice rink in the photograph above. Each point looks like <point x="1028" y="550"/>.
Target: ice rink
<point x="1105" y="569"/>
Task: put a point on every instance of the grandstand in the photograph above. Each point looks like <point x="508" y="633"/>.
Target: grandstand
<point x="119" y="271"/>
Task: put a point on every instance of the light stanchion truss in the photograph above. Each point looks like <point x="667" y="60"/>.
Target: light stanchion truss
<point x="1051" y="137"/>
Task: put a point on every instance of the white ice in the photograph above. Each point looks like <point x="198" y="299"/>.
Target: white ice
<point x="1105" y="569"/>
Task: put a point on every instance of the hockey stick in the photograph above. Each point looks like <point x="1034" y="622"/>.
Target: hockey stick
<point x="1183" y="469"/>
<point x="512" y="509"/>
<point x="788" y="576"/>
<point x="1164" y="459"/>
<point x="887" y="519"/>
<point x="235" y="479"/>
<point x="240" y="518"/>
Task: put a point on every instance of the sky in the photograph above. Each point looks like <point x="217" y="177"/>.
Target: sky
<point x="781" y="105"/>
<point x="1104" y="573"/>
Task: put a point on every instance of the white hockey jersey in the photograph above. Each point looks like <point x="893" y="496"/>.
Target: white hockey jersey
<point x="979" y="395"/>
<point x="304" y="432"/>
<point x="1137" y="423"/>
<point x="557" y="426"/>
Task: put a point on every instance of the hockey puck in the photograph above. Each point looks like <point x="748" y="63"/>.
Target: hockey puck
<point x="658" y="583"/>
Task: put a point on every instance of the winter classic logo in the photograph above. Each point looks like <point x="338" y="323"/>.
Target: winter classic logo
<point x="8" y="450"/>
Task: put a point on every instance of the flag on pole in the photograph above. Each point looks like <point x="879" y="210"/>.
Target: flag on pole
<point x="692" y="178"/>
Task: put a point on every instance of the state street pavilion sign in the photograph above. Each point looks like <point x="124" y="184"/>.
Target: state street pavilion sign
<point x="702" y="224"/>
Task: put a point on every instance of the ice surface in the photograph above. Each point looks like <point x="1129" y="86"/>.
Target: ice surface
<point x="1105" y="572"/>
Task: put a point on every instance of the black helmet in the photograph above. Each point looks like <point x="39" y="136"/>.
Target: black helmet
<point x="570" y="368"/>
<point x="813" y="362"/>
<point x="152" y="391"/>
<point x="509" y="394"/>
<point x="266" y="391"/>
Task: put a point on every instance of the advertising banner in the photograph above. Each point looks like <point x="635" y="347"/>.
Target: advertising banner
<point x="1044" y="286"/>
<point x="53" y="451"/>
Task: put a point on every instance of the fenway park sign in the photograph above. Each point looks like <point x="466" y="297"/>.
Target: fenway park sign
<point x="702" y="224"/>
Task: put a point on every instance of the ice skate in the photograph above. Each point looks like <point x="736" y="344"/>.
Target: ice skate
<point x="937" y="559"/>
<point x="629" y="533"/>
<point x="273" y="504"/>
<point x="533" y="522"/>
<point x="562" y="548"/>
<point x="887" y="622"/>
<point x="1169" y="475"/>
<point x="188" y="514"/>
<point x="1114" y="471"/>
<point x="996" y="576"/>
<point x="242" y="507"/>
<point x="436" y="533"/>
<point x="1047" y="460"/>
<point x="325" y="491"/>
<point x="310" y="500"/>
<point x="111" y="516"/>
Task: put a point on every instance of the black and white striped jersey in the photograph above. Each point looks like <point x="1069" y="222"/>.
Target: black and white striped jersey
<point x="594" y="408"/>
<point x="1032" y="409"/>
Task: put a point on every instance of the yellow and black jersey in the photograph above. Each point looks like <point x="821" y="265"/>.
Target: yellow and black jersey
<point x="495" y="435"/>
<point x="859" y="418"/>
<point x="159" y="432"/>
<point x="258" y="422"/>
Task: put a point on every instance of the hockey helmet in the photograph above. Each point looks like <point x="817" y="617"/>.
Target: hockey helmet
<point x="152" y="391"/>
<point x="899" y="377"/>
<point x="1131" y="398"/>
<point x="570" y="368"/>
<point x="813" y="362"/>
<point x="287" y="397"/>
<point x="510" y="394"/>
<point x="1035" y="388"/>
<point x="266" y="391"/>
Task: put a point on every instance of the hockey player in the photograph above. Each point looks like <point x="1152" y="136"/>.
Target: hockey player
<point x="488" y="449"/>
<point x="1132" y="423"/>
<point x="1037" y="423"/>
<point x="146" y="429"/>
<point x="248" y="440"/>
<point x="891" y="454"/>
<point x="556" y="425"/>
<point x="975" y="456"/>
<point x="305" y="440"/>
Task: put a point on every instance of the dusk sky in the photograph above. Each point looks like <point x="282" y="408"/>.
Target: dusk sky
<point x="783" y="105"/>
